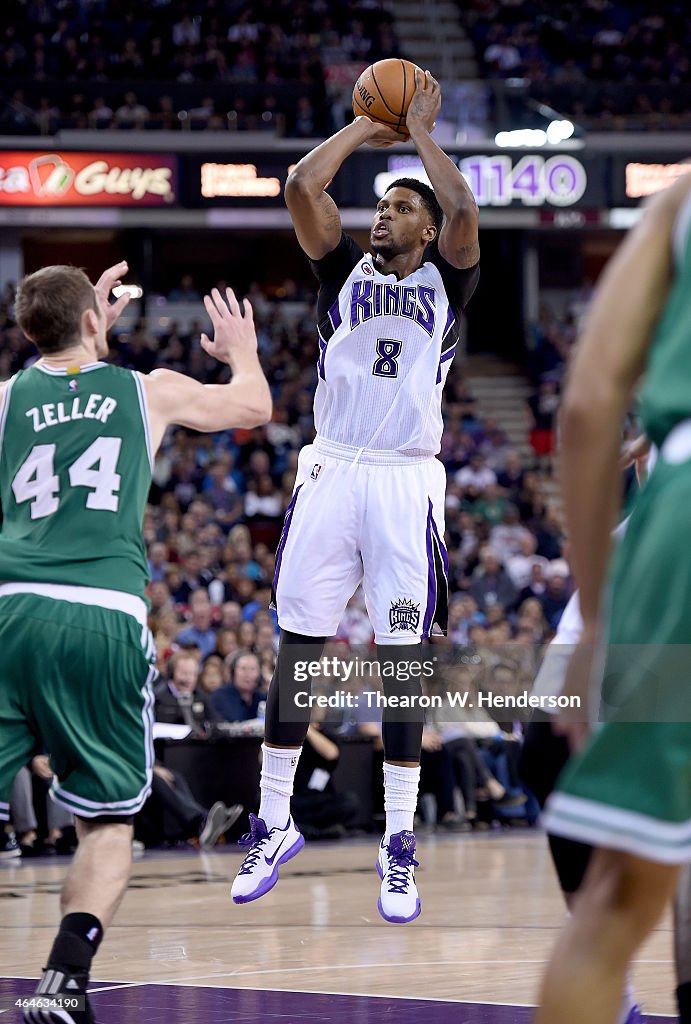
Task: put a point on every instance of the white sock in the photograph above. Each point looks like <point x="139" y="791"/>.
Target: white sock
<point x="278" y="772"/>
<point x="400" y="798"/>
<point x="629" y="1000"/>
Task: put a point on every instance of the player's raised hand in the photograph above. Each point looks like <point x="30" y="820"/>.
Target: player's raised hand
<point x="379" y="135"/>
<point x="234" y="333"/>
<point x="426" y="102"/>
<point x="108" y="280"/>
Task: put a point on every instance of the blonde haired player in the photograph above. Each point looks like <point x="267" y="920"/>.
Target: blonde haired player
<point x="77" y="442"/>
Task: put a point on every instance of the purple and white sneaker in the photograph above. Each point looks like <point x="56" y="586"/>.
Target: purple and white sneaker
<point x="267" y="851"/>
<point x="398" y="900"/>
<point x="634" y="1016"/>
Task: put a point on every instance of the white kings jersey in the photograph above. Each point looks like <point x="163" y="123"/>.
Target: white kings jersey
<point x="385" y="348"/>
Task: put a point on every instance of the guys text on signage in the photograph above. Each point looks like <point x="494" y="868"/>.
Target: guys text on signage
<point x="87" y="179"/>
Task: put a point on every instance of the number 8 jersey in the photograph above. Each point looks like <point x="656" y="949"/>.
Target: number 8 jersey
<point x="385" y="348"/>
<point x="75" y="472"/>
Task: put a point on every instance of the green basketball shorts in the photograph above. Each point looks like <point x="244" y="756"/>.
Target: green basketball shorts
<point x="630" y="789"/>
<point x="75" y="682"/>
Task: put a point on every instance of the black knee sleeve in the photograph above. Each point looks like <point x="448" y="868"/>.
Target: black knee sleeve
<point x="684" y="1002"/>
<point x="108" y="819"/>
<point x="571" y="861"/>
<point x="286" y="721"/>
<point x="543" y="757"/>
<point x="401" y="726"/>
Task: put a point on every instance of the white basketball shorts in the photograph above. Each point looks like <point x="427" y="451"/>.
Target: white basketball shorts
<point x="375" y="518"/>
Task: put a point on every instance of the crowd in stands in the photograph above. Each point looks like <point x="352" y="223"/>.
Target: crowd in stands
<point x="225" y="64"/>
<point x="215" y="514"/>
<point x="606" y="63"/>
<point x="218" y="65"/>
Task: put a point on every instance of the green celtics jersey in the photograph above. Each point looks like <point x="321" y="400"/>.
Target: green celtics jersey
<point x="666" y="394"/>
<point x="75" y="471"/>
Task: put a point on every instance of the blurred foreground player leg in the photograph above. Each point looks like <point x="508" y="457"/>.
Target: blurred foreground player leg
<point x="628" y="793"/>
<point x="78" y="438"/>
<point x="544" y="756"/>
<point x="368" y="504"/>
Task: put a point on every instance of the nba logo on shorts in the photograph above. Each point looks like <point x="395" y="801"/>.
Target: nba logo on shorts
<point x="316" y="470"/>
<point x="404" y="614"/>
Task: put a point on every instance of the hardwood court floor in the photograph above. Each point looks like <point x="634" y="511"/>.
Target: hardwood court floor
<point x="491" y="912"/>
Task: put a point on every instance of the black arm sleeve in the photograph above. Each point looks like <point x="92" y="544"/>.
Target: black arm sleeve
<point x="333" y="270"/>
<point x="459" y="284"/>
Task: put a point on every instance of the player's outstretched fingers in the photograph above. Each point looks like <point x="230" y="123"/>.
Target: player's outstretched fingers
<point x="119" y="304"/>
<point x="110" y="277"/>
<point x="233" y="302"/>
<point x="249" y="312"/>
<point x="212" y="310"/>
<point x="218" y="301"/>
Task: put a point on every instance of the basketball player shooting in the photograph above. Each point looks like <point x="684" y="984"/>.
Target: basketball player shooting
<point x="368" y="504"/>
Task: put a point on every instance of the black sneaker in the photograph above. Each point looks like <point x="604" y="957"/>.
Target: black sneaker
<point x="218" y="820"/>
<point x="9" y="847"/>
<point x="55" y="993"/>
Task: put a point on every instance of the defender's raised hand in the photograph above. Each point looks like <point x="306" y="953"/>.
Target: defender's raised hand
<point x="425" y="104"/>
<point x="234" y="333"/>
<point x="108" y="280"/>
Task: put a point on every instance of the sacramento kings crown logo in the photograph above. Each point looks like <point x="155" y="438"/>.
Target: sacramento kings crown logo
<point x="404" y="614"/>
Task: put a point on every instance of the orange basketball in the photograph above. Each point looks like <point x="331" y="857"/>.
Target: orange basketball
<point x="383" y="93"/>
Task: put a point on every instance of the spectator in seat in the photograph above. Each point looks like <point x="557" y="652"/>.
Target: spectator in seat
<point x="60" y="836"/>
<point x="132" y="114"/>
<point x="476" y="476"/>
<point x="491" y="584"/>
<point x="212" y="676"/>
<point x="200" y="633"/>
<point x="263" y="501"/>
<point x="185" y="292"/>
<point x="239" y="700"/>
<point x="510" y="478"/>
<point x="550" y="535"/>
<point x="463" y="615"/>
<point x="158" y="561"/>
<point x="179" y="700"/>
<point x="159" y="598"/>
<point x="556" y="595"/>
<point x="543" y="408"/>
<point x="490" y="506"/>
<point x="172" y="813"/>
<point x="537" y="582"/>
<point x="320" y="811"/>
<point x="226" y="641"/>
<point x="501" y="57"/>
<point x="137" y="352"/>
<point x="222" y="491"/>
<point x="520" y="564"/>
<point x="531" y="619"/>
<point x="101" y="115"/>
<point x="231" y="615"/>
